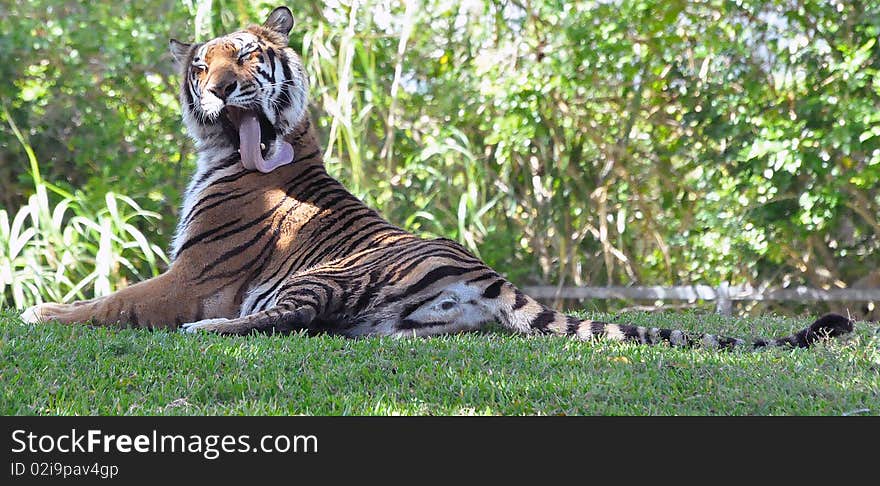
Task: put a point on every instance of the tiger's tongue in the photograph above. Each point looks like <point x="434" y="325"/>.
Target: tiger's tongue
<point x="249" y="145"/>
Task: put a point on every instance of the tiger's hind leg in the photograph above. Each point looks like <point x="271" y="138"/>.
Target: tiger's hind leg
<point x="281" y="319"/>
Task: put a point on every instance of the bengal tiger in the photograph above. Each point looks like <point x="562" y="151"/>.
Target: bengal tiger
<point x="267" y="241"/>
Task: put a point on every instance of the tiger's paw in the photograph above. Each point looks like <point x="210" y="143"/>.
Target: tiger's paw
<point x="42" y="313"/>
<point x="32" y="315"/>
<point x="206" y="325"/>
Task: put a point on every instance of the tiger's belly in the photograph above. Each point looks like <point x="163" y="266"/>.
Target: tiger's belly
<point x="222" y="303"/>
<point x="260" y="296"/>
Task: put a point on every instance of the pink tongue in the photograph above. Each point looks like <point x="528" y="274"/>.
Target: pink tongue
<point x="249" y="146"/>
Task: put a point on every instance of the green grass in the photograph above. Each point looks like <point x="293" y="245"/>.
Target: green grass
<point x="65" y="370"/>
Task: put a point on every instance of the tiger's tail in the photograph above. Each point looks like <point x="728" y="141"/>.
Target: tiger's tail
<point x="524" y="314"/>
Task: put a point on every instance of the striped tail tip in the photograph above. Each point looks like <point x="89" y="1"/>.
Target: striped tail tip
<point x="828" y="326"/>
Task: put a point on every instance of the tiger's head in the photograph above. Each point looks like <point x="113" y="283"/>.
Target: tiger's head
<point x="244" y="90"/>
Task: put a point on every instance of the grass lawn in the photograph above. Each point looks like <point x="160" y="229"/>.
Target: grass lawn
<point x="77" y="370"/>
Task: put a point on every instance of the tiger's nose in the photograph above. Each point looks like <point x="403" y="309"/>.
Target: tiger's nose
<point x="222" y="89"/>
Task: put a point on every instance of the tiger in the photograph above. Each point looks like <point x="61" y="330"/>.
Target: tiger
<point x="268" y="242"/>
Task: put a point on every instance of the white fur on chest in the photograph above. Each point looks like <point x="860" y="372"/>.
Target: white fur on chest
<point x="197" y="184"/>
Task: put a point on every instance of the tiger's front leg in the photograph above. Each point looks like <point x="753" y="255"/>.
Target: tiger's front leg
<point x="161" y="302"/>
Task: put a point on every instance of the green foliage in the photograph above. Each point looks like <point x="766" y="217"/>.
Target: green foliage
<point x="650" y="142"/>
<point x="48" y="255"/>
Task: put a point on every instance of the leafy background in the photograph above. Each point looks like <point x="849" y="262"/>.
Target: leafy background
<point x="584" y="143"/>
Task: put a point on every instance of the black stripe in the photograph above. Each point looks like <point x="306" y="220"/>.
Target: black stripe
<point x="246" y="266"/>
<point x="630" y="332"/>
<point x="301" y="286"/>
<point x="284" y="99"/>
<point x="329" y="293"/>
<point x="211" y="196"/>
<point x="485" y="276"/>
<point x="408" y="324"/>
<point x="223" y="164"/>
<point x="256" y="221"/>
<point x="353" y="246"/>
<point x="309" y="156"/>
<point x="188" y="100"/>
<point x="312" y="189"/>
<point x="408" y="253"/>
<point x="330" y="252"/>
<point x="265" y="295"/>
<point x="202" y="209"/>
<point x="305" y="176"/>
<point x="520" y="301"/>
<point x="319" y="217"/>
<point x="409" y="309"/>
<point x="293" y="283"/>
<point x="327" y="226"/>
<point x="266" y="249"/>
<point x="409" y="259"/>
<point x="493" y="290"/>
<point x="259" y="219"/>
<point x="305" y="125"/>
<point x="369" y="292"/>
<point x="430" y="278"/>
<point x="544" y="318"/>
<point x="597" y="328"/>
<point x="232" y="177"/>
<point x="327" y="198"/>
<point x="271" y="54"/>
<point x="234" y="251"/>
<point x="426" y="250"/>
<point x="288" y="267"/>
<point x="266" y="76"/>
<point x="726" y="342"/>
<point x="412" y="324"/>
<point x="373" y="286"/>
<point x="205" y="234"/>
<point x="572" y="324"/>
<point x="386" y="236"/>
<point x="297" y="294"/>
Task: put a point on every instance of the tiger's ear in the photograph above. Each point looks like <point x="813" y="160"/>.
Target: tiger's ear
<point x="179" y="51"/>
<point x="280" y="20"/>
